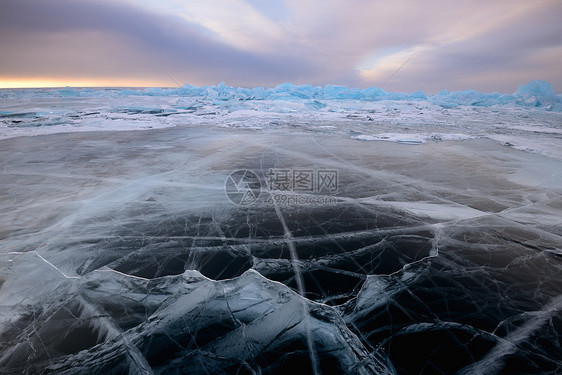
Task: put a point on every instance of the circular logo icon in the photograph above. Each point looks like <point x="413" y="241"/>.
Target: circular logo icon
<point x="242" y="187"/>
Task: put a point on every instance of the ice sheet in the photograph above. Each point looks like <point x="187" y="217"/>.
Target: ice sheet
<point x="121" y="251"/>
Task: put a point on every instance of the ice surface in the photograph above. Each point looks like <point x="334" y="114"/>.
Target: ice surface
<point x="121" y="253"/>
<point x="529" y="120"/>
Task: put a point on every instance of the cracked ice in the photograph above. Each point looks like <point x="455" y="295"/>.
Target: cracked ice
<point x="121" y="253"/>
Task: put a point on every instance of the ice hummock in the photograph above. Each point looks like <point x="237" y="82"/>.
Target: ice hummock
<point x="534" y="94"/>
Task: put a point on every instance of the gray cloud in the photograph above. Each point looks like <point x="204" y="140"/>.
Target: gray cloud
<point x="528" y="48"/>
<point x="97" y="39"/>
<point x="324" y="42"/>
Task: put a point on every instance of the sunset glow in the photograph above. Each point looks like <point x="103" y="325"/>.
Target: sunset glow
<point x="40" y="82"/>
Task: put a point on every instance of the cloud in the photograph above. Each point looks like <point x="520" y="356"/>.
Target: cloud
<point x="235" y="22"/>
<point x="97" y="39"/>
<point x="463" y="44"/>
<point x="489" y="52"/>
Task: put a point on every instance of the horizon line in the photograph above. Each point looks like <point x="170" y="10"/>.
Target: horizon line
<point x="125" y="87"/>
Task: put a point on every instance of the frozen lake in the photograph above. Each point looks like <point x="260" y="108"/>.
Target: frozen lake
<point x="382" y="237"/>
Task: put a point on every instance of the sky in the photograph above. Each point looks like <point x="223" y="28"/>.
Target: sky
<point x="399" y="45"/>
